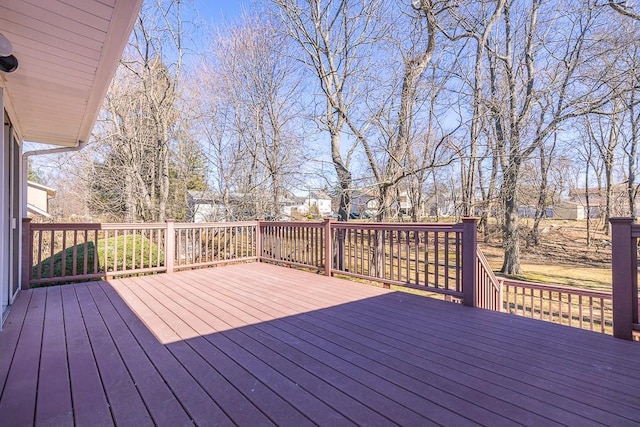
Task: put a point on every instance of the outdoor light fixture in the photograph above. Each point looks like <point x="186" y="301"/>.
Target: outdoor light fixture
<point x="8" y="62"/>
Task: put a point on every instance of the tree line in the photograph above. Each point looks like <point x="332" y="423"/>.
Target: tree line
<point x="494" y="103"/>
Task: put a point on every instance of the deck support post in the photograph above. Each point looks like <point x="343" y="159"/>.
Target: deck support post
<point x="624" y="277"/>
<point x="469" y="263"/>
<point x="27" y="253"/>
<point x="170" y="245"/>
<point x="328" y="248"/>
<point x="258" y="235"/>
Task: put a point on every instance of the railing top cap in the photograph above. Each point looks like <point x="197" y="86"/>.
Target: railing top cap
<point x="622" y="219"/>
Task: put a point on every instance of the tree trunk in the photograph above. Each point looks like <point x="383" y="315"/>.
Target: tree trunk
<point x="541" y="206"/>
<point x="510" y="229"/>
<point x="631" y="170"/>
<point x="510" y="238"/>
<point x="344" y="178"/>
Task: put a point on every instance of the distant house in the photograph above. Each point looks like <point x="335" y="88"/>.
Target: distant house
<point x="364" y="203"/>
<point x="568" y="210"/>
<point x="205" y="206"/>
<point x="290" y="206"/>
<point x="316" y="199"/>
<point x="597" y="199"/>
<point x="404" y="203"/>
<point x="208" y="206"/>
<point x="38" y="196"/>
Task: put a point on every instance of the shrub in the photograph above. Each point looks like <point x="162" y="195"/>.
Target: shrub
<point x="105" y="264"/>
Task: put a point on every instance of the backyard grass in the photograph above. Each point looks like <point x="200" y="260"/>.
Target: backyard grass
<point x="592" y="278"/>
<point x="562" y="257"/>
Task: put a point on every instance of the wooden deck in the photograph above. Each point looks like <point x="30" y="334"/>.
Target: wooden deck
<point x="256" y="344"/>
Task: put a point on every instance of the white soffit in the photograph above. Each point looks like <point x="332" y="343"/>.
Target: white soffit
<point x="67" y="52"/>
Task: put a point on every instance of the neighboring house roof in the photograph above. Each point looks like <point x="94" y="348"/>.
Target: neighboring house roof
<point x="616" y="189"/>
<point x="50" y="191"/>
<point x="37" y="211"/>
<point x="37" y="198"/>
<point x="67" y="55"/>
<point x="318" y="195"/>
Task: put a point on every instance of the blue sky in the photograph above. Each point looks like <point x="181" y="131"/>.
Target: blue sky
<point x="219" y="10"/>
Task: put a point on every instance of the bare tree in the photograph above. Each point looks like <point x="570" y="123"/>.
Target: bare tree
<point x="248" y="95"/>
<point x="335" y="38"/>
<point x="624" y="8"/>
<point x="140" y="124"/>
<point x="523" y="113"/>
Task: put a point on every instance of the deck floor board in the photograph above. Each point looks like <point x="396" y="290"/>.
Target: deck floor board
<point x="19" y="396"/>
<point x="256" y="344"/>
<point x="54" y="389"/>
<point x="90" y="403"/>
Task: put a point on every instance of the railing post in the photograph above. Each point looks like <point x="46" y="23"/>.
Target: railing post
<point x="27" y="253"/>
<point x="169" y="245"/>
<point x="624" y="277"/>
<point x="259" y="239"/>
<point x="328" y="248"/>
<point x="469" y="263"/>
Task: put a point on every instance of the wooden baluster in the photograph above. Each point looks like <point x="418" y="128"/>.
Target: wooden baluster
<point x="40" y="233"/>
<point x="134" y="248"/>
<point x="561" y="314"/>
<point x="362" y="252"/>
<point x="27" y="254"/>
<point x="580" y="310"/>
<point x="570" y="309"/>
<point x="391" y="254"/>
<point x="416" y="255"/>
<point x="115" y="250"/>
<point x="63" y="253"/>
<point x="602" y="321"/>
<point x="85" y="265"/>
<point x="74" y="251"/>
<point x="52" y="253"/>
<point x="125" y="235"/>
<point x="531" y="302"/>
<point x="426" y="258"/>
<point x="399" y="266"/>
<point x="436" y="259"/>
<point x="446" y="261"/>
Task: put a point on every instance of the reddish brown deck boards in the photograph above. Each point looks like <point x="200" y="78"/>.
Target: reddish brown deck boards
<point x="256" y="344"/>
<point x="54" y="390"/>
<point x="89" y="400"/>
<point x="18" y="398"/>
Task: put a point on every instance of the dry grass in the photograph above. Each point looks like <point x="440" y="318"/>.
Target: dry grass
<point x="562" y="257"/>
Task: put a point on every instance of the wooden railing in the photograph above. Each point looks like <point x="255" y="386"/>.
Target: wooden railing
<point x="420" y="256"/>
<point x="438" y="258"/>
<point x="206" y="244"/>
<point x="299" y="244"/>
<point x="624" y="279"/>
<point x="427" y="257"/>
<point x="58" y="253"/>
<point x="569" y="306"/>
<point x="490" y="287"/>
<point x="65" y="252"/>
